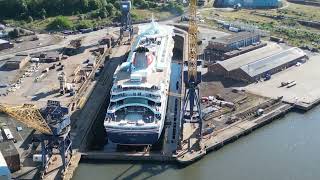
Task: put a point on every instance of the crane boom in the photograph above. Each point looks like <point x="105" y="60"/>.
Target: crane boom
<point x="193" y="38"/>
<point x="27" y="114"/>
<point x="191" y="110"/>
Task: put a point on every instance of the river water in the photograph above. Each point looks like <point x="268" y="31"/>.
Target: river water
<point x="287" y="149"/>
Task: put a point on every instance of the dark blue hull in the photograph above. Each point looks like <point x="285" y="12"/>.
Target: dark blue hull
<point x="133" y="138"/>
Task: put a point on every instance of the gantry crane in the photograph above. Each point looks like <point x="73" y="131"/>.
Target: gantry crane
<point x="126" y="21"/>
<point x="54" y="124"/>
<point x="191" y="112"/>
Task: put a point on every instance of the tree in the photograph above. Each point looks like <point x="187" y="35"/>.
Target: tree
<point x="110" y="9"/>
<point x="84" y="5"/>
<point x="30" y="19"/>
<point x="14" y="33"/>
<point x="43" y="13"/>
<point x="84" y="24"/>
<point x="94" y="4"/>
<point x="60" y="23"/>
<point x="103" y="13"/>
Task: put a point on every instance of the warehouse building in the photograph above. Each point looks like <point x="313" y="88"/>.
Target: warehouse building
<point x="255" y="4"/>
<point x="252" y="66"/>
<point x="5" y="44"/>
<point x="225" y="47"/>
<point x="10" y="155"/>
<point x="51" y="56"/>
<point x="17" y="62"/>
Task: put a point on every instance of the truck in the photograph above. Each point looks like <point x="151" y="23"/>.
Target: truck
<point x="52" y="67"/>
<point x="267" y="77"/>
<point x="45" y="70"/>
<point x="285" y="83"/>
<point x="259" y="112"/>
<point x="291" y="84"/>
<point x="8" y="134"/>
<point x="234" y="29"/>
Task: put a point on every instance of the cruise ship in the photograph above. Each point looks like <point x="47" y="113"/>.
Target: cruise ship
<point x="138" y="101"/>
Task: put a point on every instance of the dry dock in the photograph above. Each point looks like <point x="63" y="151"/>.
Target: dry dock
<point x="89" y="113"/>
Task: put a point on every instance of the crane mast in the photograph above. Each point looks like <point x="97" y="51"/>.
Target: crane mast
<point x="191" y="112"/>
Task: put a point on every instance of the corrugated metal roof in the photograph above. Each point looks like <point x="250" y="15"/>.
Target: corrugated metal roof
<point x="249" y="57"/>
<point x="271" y="62"/>
<point x="234" y="37"/>
<point x="4" y="170"/>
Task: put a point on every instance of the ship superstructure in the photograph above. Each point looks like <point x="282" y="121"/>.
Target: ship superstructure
<point x="138" y="101"/>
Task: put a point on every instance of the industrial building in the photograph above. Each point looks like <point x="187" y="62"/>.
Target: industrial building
<point x="17" y="62"/>
<point x="224" y="47"/>
<point x="49" y="57"/>
<point x="5" y="44"/>
<point x="10" y="155"/>
<point x="250" y="68"/>
<point x="256" y="4"/>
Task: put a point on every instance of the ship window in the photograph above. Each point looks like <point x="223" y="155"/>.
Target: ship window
<point x="151" y="103"/>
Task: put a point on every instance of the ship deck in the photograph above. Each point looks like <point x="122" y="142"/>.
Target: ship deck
<point x="154" y="78"/>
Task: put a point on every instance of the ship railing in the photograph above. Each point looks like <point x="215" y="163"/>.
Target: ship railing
<point x="136" y="89"/>
<point x="118" y="119"/>
<point x="154" y="108"/>
<point x="136" y="95"/>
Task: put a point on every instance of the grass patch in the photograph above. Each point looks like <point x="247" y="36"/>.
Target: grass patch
<point x="144" y="14"/>
<point x="279" y="22"/>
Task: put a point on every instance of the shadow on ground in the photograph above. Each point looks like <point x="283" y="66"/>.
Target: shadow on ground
<point x="44" y="95"/>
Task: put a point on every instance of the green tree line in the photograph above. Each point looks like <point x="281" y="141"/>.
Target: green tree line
<point x="24" y="9"/>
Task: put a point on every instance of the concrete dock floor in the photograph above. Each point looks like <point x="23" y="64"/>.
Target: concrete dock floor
<point x="306" y="90"/>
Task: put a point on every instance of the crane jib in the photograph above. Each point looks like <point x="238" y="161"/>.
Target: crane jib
<point x="193" y="38"/>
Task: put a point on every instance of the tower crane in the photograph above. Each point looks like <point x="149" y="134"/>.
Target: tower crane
<point x="53" y="122"/>
<point x="191" y="112"/>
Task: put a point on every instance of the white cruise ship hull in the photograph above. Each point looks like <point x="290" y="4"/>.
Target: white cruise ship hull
<point x="138" y="103"/>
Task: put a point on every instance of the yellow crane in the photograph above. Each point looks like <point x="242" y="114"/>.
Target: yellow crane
<point x="191" y="110"/>
<point x="193" y="38"/>
<point x="55" y="129"/>
<point x="27" y="114"/>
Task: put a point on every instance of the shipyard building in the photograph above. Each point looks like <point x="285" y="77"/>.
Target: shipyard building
<point x="5" y="44"/>
<point x="257" y="4"/>
<point x="17" y="62"/>
<point x="250" y="68"/>
<point x="229" y="46"/>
